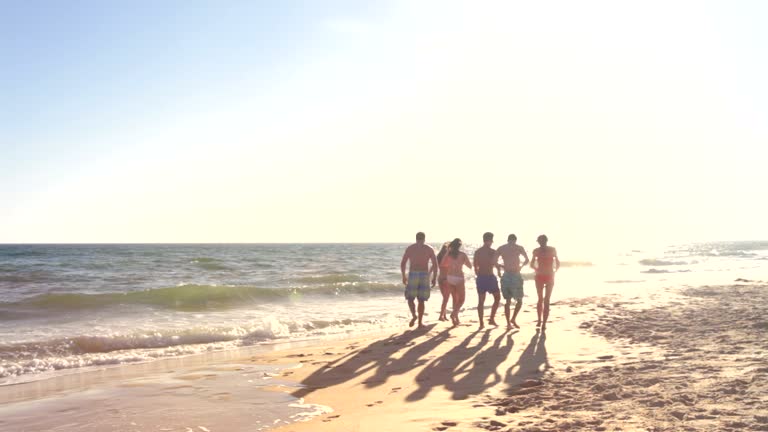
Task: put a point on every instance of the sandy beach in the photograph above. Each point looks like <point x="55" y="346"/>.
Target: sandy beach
<point x="696" y="363"/>
<point x="691" y="359"/>
<point x="247" y="216"/>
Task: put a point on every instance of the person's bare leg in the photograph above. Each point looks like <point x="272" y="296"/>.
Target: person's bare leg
<point x="494" y="308"/>
<point x="455" y="305"/>
<point x="546" y="305"/>
<point x="540" y="304"/>
<point x="461" y="295"/>
<point x="506" y="313"/>
<point x="446" y="295"/>
<point x="412" y="307"/>
<point x="480" y="304"/>
<point x="421" y="312"/>
<point x="518" y="305"/>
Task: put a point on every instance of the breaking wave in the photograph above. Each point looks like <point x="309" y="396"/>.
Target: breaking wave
<point x="18" y="359"/>
<point x="658" y="262"/>
<point x="197" y="297"/>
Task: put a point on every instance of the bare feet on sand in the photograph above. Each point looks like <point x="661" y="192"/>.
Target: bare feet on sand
<point x="413" y="321"/>
<point x="492" y="322"/>
<point x="455" y="320"/>
<point x="512" y="323"/>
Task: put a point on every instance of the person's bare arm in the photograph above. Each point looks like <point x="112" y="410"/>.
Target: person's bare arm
<point x="557" y="260"/>
<point x="402" y="266"/>
<point x="496" y="264"/>
<point x="474" y="261"/>
<point x="525" y="255"/>
<point x="466" y="261"/>
<point x="433" y="258"/>
<point x="534" y="260"/>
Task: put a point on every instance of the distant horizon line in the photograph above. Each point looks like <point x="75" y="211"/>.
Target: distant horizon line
<point x="192" y="243"/>
<point x="284" y="243"/>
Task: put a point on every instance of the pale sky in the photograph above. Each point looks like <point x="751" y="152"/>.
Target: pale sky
<point x="346" y="121"/>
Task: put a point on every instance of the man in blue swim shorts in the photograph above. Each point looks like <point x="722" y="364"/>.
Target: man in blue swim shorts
<point x="417" y="284"/>
<point x="486" y="280"/>
<point x="512" y="281"/>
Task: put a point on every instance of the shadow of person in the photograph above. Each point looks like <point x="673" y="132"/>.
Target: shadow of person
<point x="531" y="365"/>
<point x="358" y="362"/>
<point x="409" y="360"/>
<point x="440" y="371"/>
<point x="483" y="366"/>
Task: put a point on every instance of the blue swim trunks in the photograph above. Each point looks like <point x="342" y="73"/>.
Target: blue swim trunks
<point x="487" y="283"/>
<point x="418" y="286"/>
<point x="512" y="286"/>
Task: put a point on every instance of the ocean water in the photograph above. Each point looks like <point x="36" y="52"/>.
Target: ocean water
<point x="68" y="307"/>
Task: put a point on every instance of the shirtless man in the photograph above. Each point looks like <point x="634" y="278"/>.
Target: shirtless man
<point x="486" y="281"/>
<point x="512" y="281"/>
<point x="417" y="283"/>
<point x="546" y="263"/>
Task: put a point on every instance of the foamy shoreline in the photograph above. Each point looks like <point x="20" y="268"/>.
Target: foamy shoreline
<point x="583" y="374"/>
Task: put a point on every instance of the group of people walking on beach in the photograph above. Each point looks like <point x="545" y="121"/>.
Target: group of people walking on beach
<point x="447" y="270"/>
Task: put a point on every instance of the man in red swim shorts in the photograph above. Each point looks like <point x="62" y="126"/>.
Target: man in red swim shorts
<point x="545" y="263"/>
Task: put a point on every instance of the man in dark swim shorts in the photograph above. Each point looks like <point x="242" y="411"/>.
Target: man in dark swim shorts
<point x="487" y="283"/>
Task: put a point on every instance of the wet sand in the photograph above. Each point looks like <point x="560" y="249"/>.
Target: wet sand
<point x="690" y="359"/>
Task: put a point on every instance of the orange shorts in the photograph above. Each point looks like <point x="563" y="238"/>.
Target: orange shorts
<point x="545" y="279"/>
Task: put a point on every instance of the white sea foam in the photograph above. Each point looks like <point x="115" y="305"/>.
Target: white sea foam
<point x="309" y="411"/>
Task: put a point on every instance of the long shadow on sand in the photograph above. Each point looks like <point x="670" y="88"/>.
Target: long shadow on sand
<point x="375" y="356"/>
<point x="483" y="366"/>
<point x="532" y="365"/>
<point x="408" y="361"/>
<point x="442" y="371"/>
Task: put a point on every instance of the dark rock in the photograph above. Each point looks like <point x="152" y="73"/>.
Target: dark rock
<point x="531" y="383"/>
<point x="678" y="415"/>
